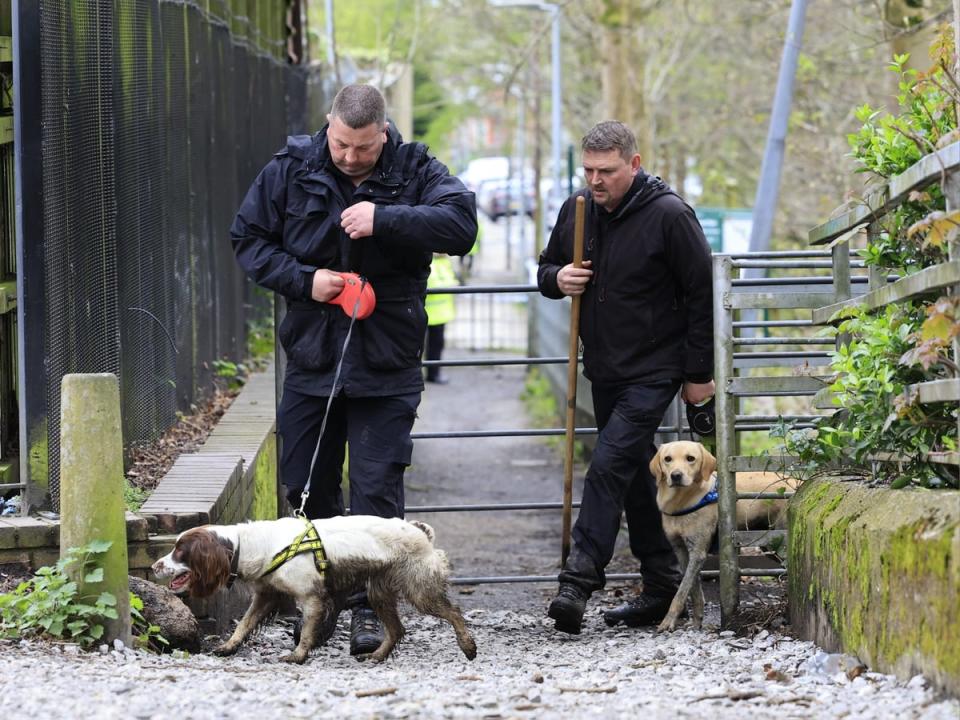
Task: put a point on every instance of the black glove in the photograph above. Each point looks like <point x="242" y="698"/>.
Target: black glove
<point x="702" y="418"/>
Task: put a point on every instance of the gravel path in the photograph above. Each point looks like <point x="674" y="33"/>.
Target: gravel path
<point x="524" y="669"/>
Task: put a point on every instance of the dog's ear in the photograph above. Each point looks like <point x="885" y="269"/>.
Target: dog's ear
<point x="655" y="466"/>
<point x="208" y="560"/>
<point x="708" y="465"/>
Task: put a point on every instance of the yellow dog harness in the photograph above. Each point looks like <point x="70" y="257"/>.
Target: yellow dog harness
<point x="308" y="541"/>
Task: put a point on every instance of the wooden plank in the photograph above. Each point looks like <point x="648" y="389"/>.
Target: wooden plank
<point x="760" y="463"/>
<point x="928" y="280"/>
<point x="948" y="457"/>
<point x="777" y="300"/>
<point x="926" y="170"/>
<point x="823" y="400"/>
<point x="874" y="205"/>
<point x="797" y="385"/>
<point x="946" y="390"/>
<point x="761" y="538"/>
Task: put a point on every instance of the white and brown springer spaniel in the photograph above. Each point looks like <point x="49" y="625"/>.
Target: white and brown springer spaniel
<point x="392" y="558"/>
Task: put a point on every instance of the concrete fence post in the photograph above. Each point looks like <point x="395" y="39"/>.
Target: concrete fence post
<point x="92" y="485"/>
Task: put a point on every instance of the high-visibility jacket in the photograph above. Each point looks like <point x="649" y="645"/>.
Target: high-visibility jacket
<point x="440" y="308"/>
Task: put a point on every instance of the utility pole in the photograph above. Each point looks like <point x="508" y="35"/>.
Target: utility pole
<point x="768" y="188"/>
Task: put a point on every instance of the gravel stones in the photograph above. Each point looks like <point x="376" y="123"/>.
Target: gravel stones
<point x="523" y="669"/>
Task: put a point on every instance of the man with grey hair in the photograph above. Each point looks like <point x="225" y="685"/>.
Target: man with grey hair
<point x="647" y="332"/>
<point x="352" y="198"/>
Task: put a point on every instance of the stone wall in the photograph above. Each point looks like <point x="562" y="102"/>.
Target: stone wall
<point x="876" y="572"/>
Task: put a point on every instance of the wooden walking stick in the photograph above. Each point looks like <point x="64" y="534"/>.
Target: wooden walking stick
<point x="572" y="366"/>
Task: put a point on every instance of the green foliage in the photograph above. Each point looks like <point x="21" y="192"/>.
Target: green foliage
<point x="889" y="144"/>
<point x="146" y="636"/>
<point x="49" y="604"/>
<point x="877" y="413"/>
<point x="233" y="374"/>
<point x="260" y="328"/>
<point x="914" y="236"/>
<point x="134" y="496"/>
<point x="904" y="344"/>
<point x="544" y="410"/>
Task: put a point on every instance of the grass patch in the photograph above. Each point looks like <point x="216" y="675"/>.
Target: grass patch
<point x="543" y="409"/>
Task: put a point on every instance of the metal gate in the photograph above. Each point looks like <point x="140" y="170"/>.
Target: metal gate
<point x="752" y="355"/>
<point x="674" y="426"/>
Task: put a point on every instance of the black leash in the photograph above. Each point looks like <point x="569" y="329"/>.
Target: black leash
<point x="326" y="413"/>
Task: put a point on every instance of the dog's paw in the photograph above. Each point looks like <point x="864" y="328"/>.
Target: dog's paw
<point x="225" y="649"/>
<point x="668" y="625"/>
<point x="470" y="650"/>
<point x="295" y="658"/>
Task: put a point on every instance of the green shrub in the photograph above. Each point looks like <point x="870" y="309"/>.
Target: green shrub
<point x="49" y="604"/>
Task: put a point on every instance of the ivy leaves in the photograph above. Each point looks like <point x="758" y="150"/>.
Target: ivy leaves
<point x="50" y="603"/>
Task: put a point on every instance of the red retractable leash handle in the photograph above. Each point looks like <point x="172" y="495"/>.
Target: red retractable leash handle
<point x="357" y="300"/>
<point x="357" y="293"/>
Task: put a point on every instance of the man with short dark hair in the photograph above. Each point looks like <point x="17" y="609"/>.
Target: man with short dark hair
<point x="647" y="331"/>
<point x="354" y="197"/>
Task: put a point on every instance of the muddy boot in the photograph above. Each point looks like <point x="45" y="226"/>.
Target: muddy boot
<point x="327" y="628"/>
<point x="641" y="610"/>
<point x="568" y="607"/>
<point x="366" y="631"/>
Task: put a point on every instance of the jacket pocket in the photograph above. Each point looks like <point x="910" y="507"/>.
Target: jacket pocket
<point x="393" y="334"/>
<point x="307" y="338"/>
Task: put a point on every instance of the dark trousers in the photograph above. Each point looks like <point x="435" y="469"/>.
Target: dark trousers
<point x="433" y="349"/>
<point x="377" y="431"/>
<point x="619" y="481"/>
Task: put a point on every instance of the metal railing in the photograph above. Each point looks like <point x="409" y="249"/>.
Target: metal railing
<point x="742" y="372"/>
<point x="673" y="427"/>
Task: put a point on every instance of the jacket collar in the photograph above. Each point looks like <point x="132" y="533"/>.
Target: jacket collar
<point x="386" y="171"/>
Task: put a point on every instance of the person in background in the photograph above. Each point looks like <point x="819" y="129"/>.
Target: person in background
<point x="440" y="311"/>
<point x="646" y="325"/>
<point x="466" y="261"/>
<point x="353" y="197"/>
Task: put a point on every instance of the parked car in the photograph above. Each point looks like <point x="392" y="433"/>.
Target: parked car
<point x="485" y="169"/>
<point x="508" y="197"/>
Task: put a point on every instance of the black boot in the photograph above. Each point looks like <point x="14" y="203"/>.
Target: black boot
<point x="366" y="630"/>
<point x="568" y="607"/>
<point x="642" y="610"/>
<point x="324" y="633"/>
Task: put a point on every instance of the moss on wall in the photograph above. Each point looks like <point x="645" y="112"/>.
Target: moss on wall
<point x="876" y="572"/>
<point x="264" y="506"/>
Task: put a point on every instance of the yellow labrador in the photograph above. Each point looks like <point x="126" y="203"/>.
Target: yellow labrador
<point x="685" y="473"/>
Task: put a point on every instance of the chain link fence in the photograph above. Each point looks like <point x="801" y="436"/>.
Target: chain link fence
<point x="141" y="125"/>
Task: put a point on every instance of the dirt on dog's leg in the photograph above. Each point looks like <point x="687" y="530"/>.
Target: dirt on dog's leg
<point x="696" y="600"/>
<point x="393" y="632"/>
<point x="314" y="611"/>
<point x="439" y="605"/>
<point x="680" y="598"/>
<point x="262" y="605"/>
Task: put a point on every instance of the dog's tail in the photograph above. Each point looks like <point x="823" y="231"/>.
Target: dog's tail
<point x="427" y="530"/>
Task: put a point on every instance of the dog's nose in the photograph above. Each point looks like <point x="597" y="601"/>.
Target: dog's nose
<point x="676" y="477"/>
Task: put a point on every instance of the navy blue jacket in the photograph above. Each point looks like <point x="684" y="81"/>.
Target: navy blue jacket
<point x="647" y="313"/>
<point x="289" y="226"/>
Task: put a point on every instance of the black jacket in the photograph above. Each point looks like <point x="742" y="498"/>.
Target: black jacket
<point x="288" y="226"/>
<point x="647" y="313"/>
